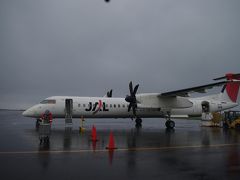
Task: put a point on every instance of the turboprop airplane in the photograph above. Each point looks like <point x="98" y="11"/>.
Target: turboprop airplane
<point x="173" y="104"/>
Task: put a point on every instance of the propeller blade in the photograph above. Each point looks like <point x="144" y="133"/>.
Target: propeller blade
<point x="131" y="88"/>
<point x="129" y="107"/>
<point x="135" y="89"/>
<point x="110" y="93"/>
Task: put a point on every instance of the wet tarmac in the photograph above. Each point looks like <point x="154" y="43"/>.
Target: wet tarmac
<point x="150" y="152"/>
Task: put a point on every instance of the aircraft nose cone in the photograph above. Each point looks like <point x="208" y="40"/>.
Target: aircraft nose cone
<point x="27" y="113"/>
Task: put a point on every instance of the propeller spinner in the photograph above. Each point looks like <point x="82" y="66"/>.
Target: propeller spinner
<point x="132" y="98"/>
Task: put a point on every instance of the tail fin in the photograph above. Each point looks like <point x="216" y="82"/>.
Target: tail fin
<point x="231" y="89"/>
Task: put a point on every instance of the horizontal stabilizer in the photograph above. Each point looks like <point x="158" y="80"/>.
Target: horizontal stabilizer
<point x="228" y="76"/>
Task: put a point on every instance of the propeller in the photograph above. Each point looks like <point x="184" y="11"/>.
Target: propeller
<point x="229" y="76"/>
<point x="132" y="98"/>
<point x="109" y="93"/>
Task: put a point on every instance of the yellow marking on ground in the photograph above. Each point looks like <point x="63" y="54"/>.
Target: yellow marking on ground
<point x="119" y="149"/>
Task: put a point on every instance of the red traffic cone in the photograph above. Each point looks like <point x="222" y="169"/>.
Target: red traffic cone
<point x="111" y="144"/>
<point x="94" y="134"/>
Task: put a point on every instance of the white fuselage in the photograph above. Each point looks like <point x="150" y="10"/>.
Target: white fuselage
<point x="104" y="107"/>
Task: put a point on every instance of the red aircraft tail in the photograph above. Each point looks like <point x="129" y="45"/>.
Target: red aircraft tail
<point x="231" y="89"/>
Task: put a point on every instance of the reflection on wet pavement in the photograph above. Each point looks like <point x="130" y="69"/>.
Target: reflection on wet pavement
<point x="187" y="152"/>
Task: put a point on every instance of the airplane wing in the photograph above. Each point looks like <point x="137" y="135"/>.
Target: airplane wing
<point x="187" y="91"/>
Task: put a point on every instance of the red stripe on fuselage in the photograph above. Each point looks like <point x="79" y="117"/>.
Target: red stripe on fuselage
<point x="99" y="106"/>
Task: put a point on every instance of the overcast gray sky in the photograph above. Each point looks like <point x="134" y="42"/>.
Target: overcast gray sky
<point x="86" y="47"/>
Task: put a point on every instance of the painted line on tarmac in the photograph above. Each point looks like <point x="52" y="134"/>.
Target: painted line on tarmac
<point x="117" y="149"/>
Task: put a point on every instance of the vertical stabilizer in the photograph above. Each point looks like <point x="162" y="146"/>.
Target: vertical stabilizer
<point x="231" y="89"/>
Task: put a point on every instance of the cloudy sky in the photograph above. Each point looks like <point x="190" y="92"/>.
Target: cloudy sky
<point x="86" y="47"/>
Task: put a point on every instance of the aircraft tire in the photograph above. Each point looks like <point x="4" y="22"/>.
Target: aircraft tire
<point x="170" y="124"/>
<point x="46" y="140"/>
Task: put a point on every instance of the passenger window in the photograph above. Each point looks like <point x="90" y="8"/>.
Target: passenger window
<point x="106" y="105"/>
<point x="119" y="105"/>
<point x="114" y="105"/>
<point x="123" y="105"/>
<point x="84" y="105"/>
<point x="79" y="105"/>
<point x="110" y="105"/>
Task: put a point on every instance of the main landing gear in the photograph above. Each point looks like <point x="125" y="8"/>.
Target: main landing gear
<point x="170" y="124"/>
<point x="138" y="122"/>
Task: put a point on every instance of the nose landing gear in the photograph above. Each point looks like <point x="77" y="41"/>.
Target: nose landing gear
<point x="38" y="123"/>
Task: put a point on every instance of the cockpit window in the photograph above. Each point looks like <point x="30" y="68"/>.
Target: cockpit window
<point x="48" y="101"/>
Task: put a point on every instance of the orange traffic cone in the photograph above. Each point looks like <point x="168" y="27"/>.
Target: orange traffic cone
<point x="111" y="144"/>
<point x="94" y="134"/>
